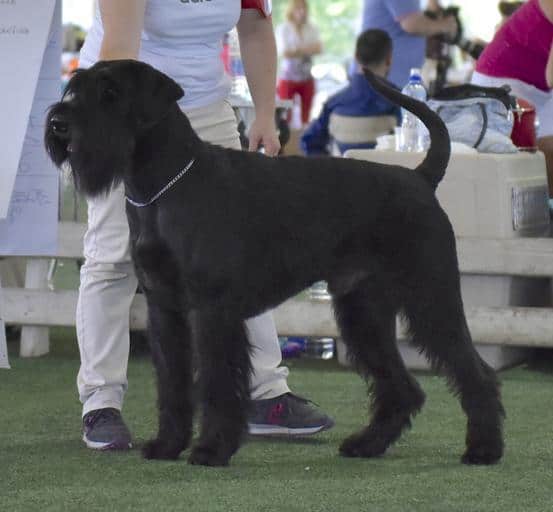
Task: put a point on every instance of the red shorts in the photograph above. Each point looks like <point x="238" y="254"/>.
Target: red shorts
<point x="287" y="89"/>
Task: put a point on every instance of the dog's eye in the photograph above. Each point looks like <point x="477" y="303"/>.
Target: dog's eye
<point x="110" y="94"/>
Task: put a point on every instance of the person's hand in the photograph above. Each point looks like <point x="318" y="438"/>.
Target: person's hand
<point x="263" y="132"/>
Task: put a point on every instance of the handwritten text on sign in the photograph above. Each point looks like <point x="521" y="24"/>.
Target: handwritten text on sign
<point x="30" y="49"/>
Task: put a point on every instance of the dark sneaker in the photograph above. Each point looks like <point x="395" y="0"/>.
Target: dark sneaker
<point x="287" y="415"/>
<point x="104" y="429"/>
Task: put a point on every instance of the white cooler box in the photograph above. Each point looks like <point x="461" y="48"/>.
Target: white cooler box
<point x="487" y="196"/>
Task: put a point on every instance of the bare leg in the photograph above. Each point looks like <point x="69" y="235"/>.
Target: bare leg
<point x="545" y="144"/>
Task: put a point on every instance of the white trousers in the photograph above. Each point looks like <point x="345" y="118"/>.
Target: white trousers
<point x="108" y="285"/>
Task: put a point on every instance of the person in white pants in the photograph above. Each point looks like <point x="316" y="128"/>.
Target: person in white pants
<point x="131" y="29"/>
<point x="108" y="285"/>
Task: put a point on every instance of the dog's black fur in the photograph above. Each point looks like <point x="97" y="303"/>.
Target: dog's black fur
<point x="241" y="232"/>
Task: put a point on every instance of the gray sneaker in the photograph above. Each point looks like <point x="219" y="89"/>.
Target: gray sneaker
<point x="287" y="415"/>
<point x="104" y="429"/>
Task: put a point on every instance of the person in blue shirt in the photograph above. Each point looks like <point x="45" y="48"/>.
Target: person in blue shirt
<point x="373" y="50"/>
<point x="408" y="27"/>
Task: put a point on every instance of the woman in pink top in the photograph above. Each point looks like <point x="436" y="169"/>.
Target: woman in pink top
<point x="521" y="56"/>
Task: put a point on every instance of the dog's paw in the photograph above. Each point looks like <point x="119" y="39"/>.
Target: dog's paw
<point x="360" y="445"/>
<point x="483" y="455"/>
<point x="207" y="456"/>
<point x="161" y="449"/>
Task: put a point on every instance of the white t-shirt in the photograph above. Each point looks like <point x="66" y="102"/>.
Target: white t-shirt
<point x="183" y="39"/>
<point x="288" y="38"/>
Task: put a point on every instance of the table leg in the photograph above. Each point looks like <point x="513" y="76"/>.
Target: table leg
<point x="35" y="341"/>
<point x="4" y="363"/>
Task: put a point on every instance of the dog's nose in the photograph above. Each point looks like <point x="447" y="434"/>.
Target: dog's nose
<point x="59" y="126"/>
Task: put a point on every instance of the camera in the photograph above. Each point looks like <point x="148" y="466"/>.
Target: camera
<point x="438" y="47"/>
<point x="473" y="48"/>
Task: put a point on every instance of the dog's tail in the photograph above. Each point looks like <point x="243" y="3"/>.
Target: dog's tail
<point x="434" y="165"/>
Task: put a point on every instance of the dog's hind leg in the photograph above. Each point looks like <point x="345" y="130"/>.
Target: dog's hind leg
<point x="225" y="369"/>
<point x="367" y="324"/>
<point x="437" y="322"/>
<point x="170" y="343"/>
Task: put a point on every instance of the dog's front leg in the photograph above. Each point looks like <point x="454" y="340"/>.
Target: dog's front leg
<point x="225" y="377"/>
<point x="170" y="343"/>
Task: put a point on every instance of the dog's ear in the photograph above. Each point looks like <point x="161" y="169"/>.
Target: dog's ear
<point x="158" y="93"/>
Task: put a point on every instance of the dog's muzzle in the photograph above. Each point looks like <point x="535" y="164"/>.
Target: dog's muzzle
<point x="57" y="137"/>
<point x="60" y="130"/>
<point x="59" y="127"/>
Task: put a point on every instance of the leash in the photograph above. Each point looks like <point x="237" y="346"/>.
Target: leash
<point x="164" y="189"/>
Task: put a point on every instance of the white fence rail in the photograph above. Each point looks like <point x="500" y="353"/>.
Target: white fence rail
<point x="37" y="308"/>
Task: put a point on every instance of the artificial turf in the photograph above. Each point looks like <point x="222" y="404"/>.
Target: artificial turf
<point x="44" y="465"/>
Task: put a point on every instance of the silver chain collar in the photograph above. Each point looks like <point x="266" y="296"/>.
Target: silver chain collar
<point x="164" y="189"/>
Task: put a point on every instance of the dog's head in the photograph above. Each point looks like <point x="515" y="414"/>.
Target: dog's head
<point x="104" y="111"/>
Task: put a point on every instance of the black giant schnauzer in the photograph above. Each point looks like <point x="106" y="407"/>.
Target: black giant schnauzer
<point x="219" y="236"/>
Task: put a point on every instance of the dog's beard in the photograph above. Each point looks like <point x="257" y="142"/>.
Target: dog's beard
<point x="82" y="150"/>
<point x="95" y="174"/>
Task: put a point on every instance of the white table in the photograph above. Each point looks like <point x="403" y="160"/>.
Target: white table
<point x="488" y="196"/>
<point x="485" y="195"/>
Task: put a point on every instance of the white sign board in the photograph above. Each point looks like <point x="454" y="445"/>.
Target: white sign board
<point x="30" y="51"/>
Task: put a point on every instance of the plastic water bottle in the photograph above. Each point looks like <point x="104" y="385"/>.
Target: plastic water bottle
<point x="414" y="135"/>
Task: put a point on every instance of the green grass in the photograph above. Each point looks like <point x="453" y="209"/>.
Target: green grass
<point x="44" y="466"/>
